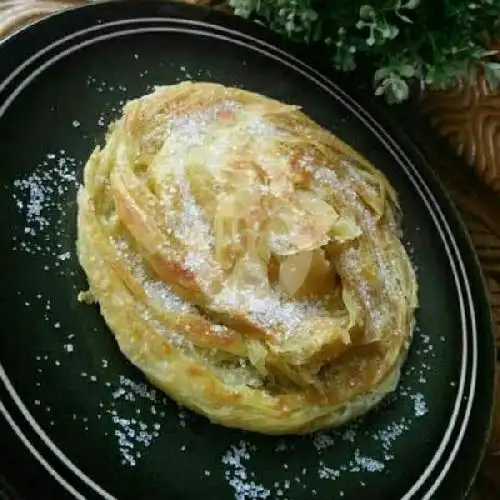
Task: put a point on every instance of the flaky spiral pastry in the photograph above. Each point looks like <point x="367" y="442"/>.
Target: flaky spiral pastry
<point x="246" y="260"/>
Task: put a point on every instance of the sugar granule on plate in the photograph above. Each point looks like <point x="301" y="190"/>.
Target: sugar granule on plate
<point x="322" y="441"/>
<point x="41" y="197"/>
<point x="281" y="447"/>
<point x="388" y="435"/>
<point x="325" y="472"/>
<point x="236" y="473"/>
<point x="419" y="404"/>
<point x="349" y="435"/>
<point x="64" y="256"/>
<point x="367" y="464"/>
<point x="133" y="432"/>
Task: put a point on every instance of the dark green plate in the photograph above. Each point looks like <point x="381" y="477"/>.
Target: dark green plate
<point x="79" y="419"/>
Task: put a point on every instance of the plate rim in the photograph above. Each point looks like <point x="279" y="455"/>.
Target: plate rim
<point x="397" y="136"/>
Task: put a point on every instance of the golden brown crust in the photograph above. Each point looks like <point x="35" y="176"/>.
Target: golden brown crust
<point x="246" y="260"/>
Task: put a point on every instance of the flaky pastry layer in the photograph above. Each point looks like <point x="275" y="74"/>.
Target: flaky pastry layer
<point x="246" y="260"/>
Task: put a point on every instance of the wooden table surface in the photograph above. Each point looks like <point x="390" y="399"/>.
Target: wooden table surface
<point x="469" y="117"/>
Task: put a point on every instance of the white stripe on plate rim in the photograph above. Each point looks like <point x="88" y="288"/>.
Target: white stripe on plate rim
<point x="392" y="147"/>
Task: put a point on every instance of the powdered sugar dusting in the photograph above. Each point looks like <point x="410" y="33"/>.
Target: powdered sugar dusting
<point x="156" y="289"/>
<point x="269" y="311"/>
<point x="162" y="293"/>
<point x="349" y="187"/>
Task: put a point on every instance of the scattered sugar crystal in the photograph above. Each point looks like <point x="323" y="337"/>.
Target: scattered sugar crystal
<point x="327" y="472"/>
<point x="236" y="474"/>
<point x="41" y="197"/>
<point x="132" y="433"/>
<point x="322" y="441"/>
<point x="419" y="404"/>
<point x="349" y="435"/>
<point x="281" y="447"/>
<point x="390" y="433"/>
<point x="362" y="463"/>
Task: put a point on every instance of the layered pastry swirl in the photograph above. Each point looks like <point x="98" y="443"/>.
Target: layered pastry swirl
<point x="247" y="261"/>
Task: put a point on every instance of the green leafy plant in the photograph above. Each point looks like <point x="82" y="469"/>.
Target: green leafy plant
<point x="434" y="43"/>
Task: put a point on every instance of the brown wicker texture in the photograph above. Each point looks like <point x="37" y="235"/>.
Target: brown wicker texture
<point x="469" y="117"/>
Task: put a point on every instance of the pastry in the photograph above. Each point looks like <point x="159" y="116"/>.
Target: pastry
<point x="246" y="260"/>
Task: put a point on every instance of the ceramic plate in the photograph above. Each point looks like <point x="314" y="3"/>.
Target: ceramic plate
<point x="78" y="419"/>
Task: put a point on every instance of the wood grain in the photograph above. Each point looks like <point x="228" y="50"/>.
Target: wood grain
<point x="469" y="116"/>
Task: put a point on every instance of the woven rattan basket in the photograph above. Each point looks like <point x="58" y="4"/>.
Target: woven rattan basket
<point x="469" y="118"/>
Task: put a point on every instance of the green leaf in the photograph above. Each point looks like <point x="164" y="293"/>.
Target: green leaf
<point x="406" y="19"/>
<point x="381" y="73"/>
<point x="411" y="4"/>
<point x="366" y="12"/>
<point x="404" y="40"/>
<point x="309" y="15"/>
<point x="495" y="66"/>
<point x="492" y="74"/>
<point x="406" y="70"/>
<point x="394" y="31"/>
<point x="489" y="53"/>
<point x="317" y="31"/>
<point x="380" y="90"/>
<point x="397" y="90"/>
